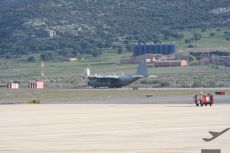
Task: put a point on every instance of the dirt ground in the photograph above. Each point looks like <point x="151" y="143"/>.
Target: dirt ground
<point x="121" y="128"/>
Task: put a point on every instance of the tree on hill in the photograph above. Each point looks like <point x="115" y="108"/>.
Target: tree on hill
<point x="31" y="59"/>
<point x="27" y="26"/>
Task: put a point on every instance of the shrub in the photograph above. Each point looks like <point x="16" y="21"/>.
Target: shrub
<point x="164" y="84"/>
<point x="33" y="101"/>
<point x="31" y="59"/>
<point x="197" y="83"/>
<point x="212" y="34"/>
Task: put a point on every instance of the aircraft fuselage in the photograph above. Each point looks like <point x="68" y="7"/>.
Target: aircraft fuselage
<point x="112" y="83"/>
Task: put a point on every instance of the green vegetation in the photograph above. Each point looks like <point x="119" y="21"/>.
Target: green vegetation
<point x="66" y="74"/>
<point x="201" y="40"/>
<point x="100" y="33"/>
<point x="72" y="28"/>
<point x="33" y="101"/>
<point x="68" y="95"/>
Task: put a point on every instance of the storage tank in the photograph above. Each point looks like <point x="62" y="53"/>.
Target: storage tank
<point x="151" y="49"/>
<point x="139" y="50"/>
<point x="145" y="49"/>
<point x="161" y="49"/>
<point x="158" y="48"/>
<point x="142" y="49"/>
<point x="172" y="48"/>
<point x="164" y="49"/>
<point x="167" y="49"/>
<point x="155" y="49"/>
<point x="135" y="50"/>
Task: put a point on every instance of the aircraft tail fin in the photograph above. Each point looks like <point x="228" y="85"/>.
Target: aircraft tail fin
<point x="142" y="68"/>
<point x="87" y="71"/>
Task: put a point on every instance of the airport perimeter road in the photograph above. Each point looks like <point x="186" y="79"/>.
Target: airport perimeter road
<point x="109" y="96"/>
<point x="144" y="100"/>
<point x="71" y="128"/>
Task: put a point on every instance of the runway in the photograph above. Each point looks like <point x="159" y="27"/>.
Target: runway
<point x="112" y="128"/>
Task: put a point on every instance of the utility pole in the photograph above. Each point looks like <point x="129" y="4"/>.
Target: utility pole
<point x="42" y="71"/>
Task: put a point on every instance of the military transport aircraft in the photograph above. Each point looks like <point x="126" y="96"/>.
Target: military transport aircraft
<point x="118" y="81"/>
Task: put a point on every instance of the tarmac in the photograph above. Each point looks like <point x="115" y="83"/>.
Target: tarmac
<point x="112" y="128"/>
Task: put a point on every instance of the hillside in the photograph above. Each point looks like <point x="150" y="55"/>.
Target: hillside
<point x="69" y="27"/>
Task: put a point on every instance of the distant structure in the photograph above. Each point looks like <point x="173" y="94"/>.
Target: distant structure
<point x="171" y="63"/>
<point x="12" y="85"/>
<point x="164" y="49"/>
<point x="149" y="58"/>
<point x="73" y="59"/>
<point x="151" y="53"/>
<point x="42" y="71"/>
<point x="36" y="84"/>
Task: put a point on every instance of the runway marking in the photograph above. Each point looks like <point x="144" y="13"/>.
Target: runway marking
<point x="215" y="135"/>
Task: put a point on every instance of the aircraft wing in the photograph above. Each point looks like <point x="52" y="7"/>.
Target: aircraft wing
<point x="141" y="76"/>
<point x="138" y="76"/>
<point x="152" y="76"/>
<point x="103" y="77"/>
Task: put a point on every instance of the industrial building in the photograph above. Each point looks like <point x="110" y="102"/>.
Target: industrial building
<point x="135" y="60"/>
<point x="150" y="58"/>
<point x="171" y="63"/>
<point x="164" y="49"/>
<point x="151" y="53"/>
